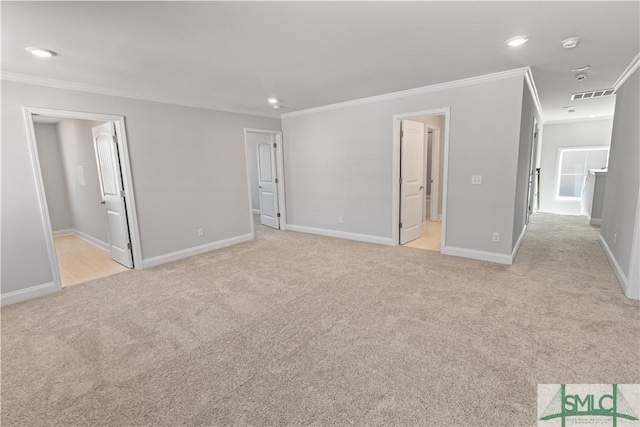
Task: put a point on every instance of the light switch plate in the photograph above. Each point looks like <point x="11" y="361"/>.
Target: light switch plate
<point x="476" y="179"/>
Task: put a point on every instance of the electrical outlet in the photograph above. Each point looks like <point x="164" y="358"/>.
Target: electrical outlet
<point x="339" y="220"/>
<point x="200" y="232"/>
<point x="476" y="179"/>
<point x="496" y="237"/>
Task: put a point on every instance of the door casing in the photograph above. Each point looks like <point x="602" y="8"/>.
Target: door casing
<point x="395" y="171"/>
<point x="125" y="164"/>
<point x="279" y="170"/>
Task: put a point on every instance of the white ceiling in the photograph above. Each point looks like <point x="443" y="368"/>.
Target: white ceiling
<point x="233" y="55"/>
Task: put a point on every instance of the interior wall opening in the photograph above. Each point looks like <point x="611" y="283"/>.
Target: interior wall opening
<point x="83" y="195"/>
<point x="422" y="181"/>
<point x="265" y="174"/>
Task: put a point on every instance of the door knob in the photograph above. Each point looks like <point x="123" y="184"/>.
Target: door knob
<point x="422" y="187"/>
<point x="102" y="202"/>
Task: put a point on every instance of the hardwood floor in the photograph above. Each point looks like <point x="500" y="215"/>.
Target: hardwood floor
<point x="80" y="261"/>
<point x="431" y="237"/>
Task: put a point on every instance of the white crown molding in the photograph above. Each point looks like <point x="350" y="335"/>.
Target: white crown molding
<point x="584" y="119"/>
<point x="410" y="92"/>
<point x="81" y="87"/>
<point x="528" y="76"/>
<point x="635" y="63"/>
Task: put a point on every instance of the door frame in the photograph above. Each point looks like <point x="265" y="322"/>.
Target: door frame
<point x="395" y="171"/>
<point x="282" y="206"/>
<point x="127" y="181"/>
<point x="531" y="182"/>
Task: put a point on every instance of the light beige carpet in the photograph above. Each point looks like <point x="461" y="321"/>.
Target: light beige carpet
<point x="299" y="329"/>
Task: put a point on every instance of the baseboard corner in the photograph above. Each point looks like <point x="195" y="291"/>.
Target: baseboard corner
<point x="28" y="293"/>
<point x="494" y="257"/>
<point x="617" y="270"/>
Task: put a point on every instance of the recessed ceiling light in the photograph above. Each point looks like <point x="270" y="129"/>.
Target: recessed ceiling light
<point x="592" y="116"/>
<point x="276" y="106"/>
<point x="580" y="68"/>
<point x="272" y="100"/>
<point x="517" y="41"/>
<point x="40" y="52"/>
<point x="571" y="42"/>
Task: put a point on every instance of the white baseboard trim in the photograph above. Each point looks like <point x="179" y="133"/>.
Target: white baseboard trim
<point x="28" y="293"/>
<point x="197" y="250"/>
<point x="595" y="221"/>
<point x="84" y="236"/>
<point x="614" y="264"/>
<point x="64" y="232"/>
<point x="255" y="211"/>
<point x="342" y="234"/>
<point x="97" y="242"/>
<point x="516" y="248"/>
<point x="478" y="255"/>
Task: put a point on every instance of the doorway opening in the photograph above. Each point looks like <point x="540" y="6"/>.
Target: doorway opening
<point x="265" y="175"/>
<point x="421" y="140"/>
<point x="85" y="191"/>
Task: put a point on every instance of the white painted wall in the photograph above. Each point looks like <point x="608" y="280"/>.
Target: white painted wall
<point x="620" y="214"/>
<point x="189" y="172"/>
<point x="529" y="113"/>
<point x="338" y="162"/>
<point x="76" y="146"/>
<point x="53" y="176"/>
<point x="559" y="135"/>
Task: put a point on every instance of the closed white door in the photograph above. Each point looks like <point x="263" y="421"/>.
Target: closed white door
<point x="106" y="146"/>
<point x="412" y="172"/>
<point x="267" y="183"/>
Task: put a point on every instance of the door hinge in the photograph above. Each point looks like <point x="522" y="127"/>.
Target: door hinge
<point x="278" y="214"/>
<point x="400" y="180"/>
<point x="400" y="225"/>
<point x="115" y="139"/>
<point x="129" y="245"/>
<point x="276" y="180"/>
<point x="401" y="133"/>
<point x="122" y="193"/>
<point x="275" y="145"/>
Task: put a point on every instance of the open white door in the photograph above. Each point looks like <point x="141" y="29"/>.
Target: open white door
<point x="411" y="178"/>
<point x="267" y="183"/>
<point x="106" y="146"/>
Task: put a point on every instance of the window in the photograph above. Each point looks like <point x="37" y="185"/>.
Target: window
<point x="573" y="165"/>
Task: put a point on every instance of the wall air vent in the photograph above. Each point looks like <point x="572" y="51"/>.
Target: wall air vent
<point x="593" y="94"/>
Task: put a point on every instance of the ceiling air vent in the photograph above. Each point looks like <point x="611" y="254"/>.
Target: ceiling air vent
<point x="593" y="94"/>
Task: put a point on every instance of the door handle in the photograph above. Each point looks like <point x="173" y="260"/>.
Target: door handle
<point x="103" y="202"/>
<point x="422" y="187"/>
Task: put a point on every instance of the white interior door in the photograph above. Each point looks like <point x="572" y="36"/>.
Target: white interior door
<point x="267" y="183"/>
<point x="106" y="146"/>
<point x="412" y="172"/>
